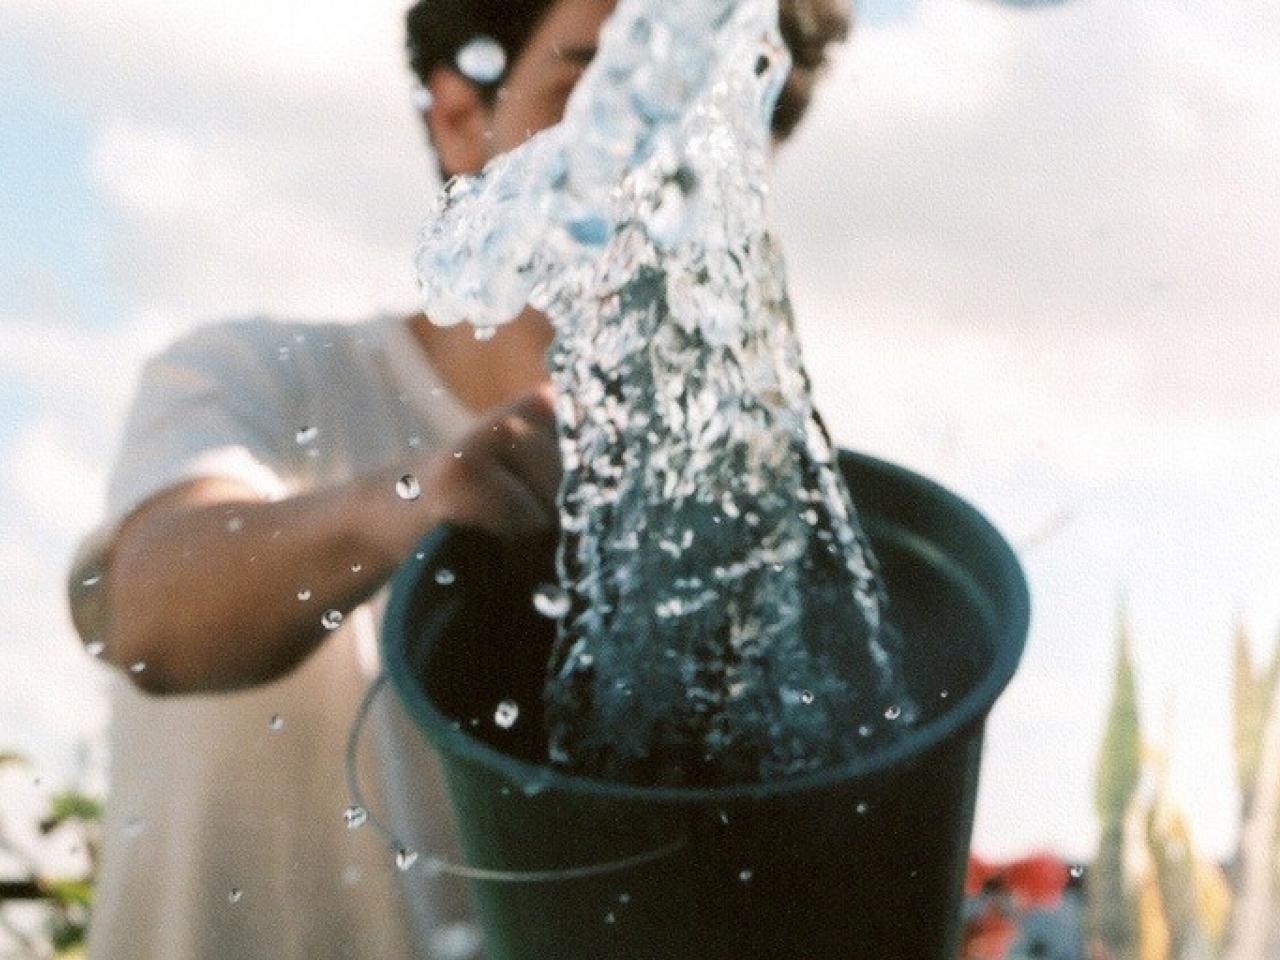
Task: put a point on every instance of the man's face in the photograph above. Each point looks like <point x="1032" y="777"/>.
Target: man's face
<point x="467" y="132"/>
<point x="537" y="88"/>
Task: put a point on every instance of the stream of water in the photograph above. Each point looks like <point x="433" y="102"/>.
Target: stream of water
<point x="723" y="618"/>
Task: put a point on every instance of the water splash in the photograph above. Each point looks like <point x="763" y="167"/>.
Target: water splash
<point x="506" y="714"/>
<point x="408" y="487"/>
<point x="711" y="557"/>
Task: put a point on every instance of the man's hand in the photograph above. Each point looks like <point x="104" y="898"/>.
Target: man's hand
<point x="505" y="475"/>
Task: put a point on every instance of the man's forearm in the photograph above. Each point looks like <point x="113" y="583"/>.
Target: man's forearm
<point x="211" y="590"/>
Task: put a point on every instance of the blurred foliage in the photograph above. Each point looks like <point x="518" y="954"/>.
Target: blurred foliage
<point x="1151" y="895"/>
<point x="68" y="899"/>
<point x="1120" y="761"/>
<point x="70" y="806"/>
<point x="1255" y="694"/>
<point x="1252" y="692"/>
<point x="1112" y="907"/>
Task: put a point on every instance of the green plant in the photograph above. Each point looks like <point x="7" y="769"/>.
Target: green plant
<point x="1111" y="905"/>
<point x="68" y="898"/>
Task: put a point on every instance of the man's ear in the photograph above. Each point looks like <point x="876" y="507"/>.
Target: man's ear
<point x="456" y="121"/>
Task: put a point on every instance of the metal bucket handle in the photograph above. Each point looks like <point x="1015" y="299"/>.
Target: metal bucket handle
<point x="438" y="865"/>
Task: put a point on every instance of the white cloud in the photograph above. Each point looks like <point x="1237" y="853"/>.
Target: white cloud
<point x="1114" y="180"/>
<point x="46" y="473"/>
<point x="59" y="702"/>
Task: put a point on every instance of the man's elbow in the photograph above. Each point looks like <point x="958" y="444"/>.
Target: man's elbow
<point x="146" y="657"/>
<point x="100" y="614"/>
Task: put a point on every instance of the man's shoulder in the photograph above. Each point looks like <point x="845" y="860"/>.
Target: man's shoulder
<point x="261" y="339"/>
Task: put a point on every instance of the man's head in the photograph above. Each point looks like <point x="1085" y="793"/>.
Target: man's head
<point x="547" y="45"/>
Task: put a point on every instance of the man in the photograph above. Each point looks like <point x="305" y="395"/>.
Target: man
<point x="272" y="477"/>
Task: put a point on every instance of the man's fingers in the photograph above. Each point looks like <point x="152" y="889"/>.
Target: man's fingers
<point x="524" y="438"/>
<point x="532" y="453"/>
<point x="538" y="407"/>
<point x="521" y="511"/>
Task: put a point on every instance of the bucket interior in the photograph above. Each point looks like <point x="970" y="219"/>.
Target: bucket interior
<point x="475" y="640"/>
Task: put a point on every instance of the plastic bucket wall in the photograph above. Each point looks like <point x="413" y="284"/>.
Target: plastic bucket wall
<point x="862" y="861"/>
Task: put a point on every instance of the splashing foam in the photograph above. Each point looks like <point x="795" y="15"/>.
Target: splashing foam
<point x="726" y="621"/>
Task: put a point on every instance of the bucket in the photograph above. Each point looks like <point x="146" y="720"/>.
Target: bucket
<point x="864" y="861"/>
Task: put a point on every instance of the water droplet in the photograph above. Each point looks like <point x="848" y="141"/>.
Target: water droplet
<point x="92" y="580"/>
<point x="235" y="525"/>
<point x="624" y="898"/>
<point x="551" y="601"/>
<point x="944" y="694"/>
<point x="420" y="555"/>
<point x="332" y="619"/>
<point x="357" y="567"/>
<point x="893" y="713"/>
<point x="457" y="941"/>
<point x="864" y="731"/>
<point x="304" y="595"/>
<point x="862" y="808"/>
<point x="355" y="817"/>
<point x="445" y="577"/>
<point x="415" y="442"/>
<point x="806" y="697"/>
<point x="482" y="59"/>
<point x="457" y="454"/>
<point x="137" y="666"/>
<point x="95" y="647"/>
<point x="745" y="875"/>
<point x="235" y="895"/>
<point x="305" y="435"/>
<point x="405" y="859"/>
<point x="421" y="99"/>
<point x="724" y="817"/>
<point x="506" y="715"/>
<point x="610" y="917"/>
<point x="408" y="488"/>
<point x="276" y="723"/>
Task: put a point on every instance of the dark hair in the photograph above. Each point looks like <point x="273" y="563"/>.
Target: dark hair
<point x="438" y="29"/>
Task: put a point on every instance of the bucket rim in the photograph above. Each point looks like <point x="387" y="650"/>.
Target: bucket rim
<point x="1012" y="617"/>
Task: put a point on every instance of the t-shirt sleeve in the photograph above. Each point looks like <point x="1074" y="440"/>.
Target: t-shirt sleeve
<point x="217" y="404"/>
<point x="214" y="405"/>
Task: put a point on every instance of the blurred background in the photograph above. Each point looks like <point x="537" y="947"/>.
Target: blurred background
<point x="1033" y="250"/>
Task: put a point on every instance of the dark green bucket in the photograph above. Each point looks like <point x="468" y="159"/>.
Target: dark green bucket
<point x="860" y="862"/>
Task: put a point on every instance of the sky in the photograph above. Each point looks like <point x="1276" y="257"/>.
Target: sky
<point x="1031" y="248"/>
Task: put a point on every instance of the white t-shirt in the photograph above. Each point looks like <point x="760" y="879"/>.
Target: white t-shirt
<point x="225" y="834"/>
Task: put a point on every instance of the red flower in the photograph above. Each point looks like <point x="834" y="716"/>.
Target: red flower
<point x="978" y="875"/>
<point x="1034" y="883"/>
<point x="989" y="935"/>
<point x="1037" y="882"/>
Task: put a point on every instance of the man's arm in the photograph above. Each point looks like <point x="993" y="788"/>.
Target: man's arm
<point x="204" y="582"/>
